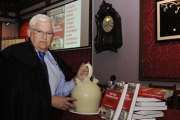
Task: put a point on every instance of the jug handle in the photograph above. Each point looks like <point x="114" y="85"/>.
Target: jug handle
<point x="90" y="70"/>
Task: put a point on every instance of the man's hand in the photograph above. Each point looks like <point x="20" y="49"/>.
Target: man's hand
<point x="63" y="103"/>
<point x="82" y="72"/>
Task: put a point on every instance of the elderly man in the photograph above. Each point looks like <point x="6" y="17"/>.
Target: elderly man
<point x="31" y="80"/>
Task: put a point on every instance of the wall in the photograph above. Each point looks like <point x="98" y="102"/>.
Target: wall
<point x="125" y="63"/>
<point x="10" y="30"/>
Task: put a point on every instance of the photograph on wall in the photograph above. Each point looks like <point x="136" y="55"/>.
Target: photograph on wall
<point x="167" y="20"/>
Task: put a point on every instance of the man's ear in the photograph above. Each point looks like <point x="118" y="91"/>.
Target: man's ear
<point x="28" y="32"/>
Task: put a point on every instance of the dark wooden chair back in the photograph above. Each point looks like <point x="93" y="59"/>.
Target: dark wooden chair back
<point x="176" y="99"/>
<point x="173" y="87"/>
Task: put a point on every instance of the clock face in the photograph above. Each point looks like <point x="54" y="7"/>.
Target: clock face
<point x="108" y="23"/>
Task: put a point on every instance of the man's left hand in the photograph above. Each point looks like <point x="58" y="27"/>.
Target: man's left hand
<point x="82" y="72"/>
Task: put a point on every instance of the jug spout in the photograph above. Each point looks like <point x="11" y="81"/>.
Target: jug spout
<point x="95" y="80"/>
<point x="77" y="80"/>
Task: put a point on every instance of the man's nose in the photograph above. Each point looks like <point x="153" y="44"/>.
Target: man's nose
<point x="44" y="35"/>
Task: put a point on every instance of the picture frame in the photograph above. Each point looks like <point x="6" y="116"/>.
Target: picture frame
<point x="167" y="20"/>
<point x="158" y="61"/>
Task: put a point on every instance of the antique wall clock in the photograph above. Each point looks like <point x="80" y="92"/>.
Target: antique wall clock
<point x="109" y="33"/>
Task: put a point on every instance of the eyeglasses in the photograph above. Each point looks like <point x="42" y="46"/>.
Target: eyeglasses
<point x="39" y="32"/>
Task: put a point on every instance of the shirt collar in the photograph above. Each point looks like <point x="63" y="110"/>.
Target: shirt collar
<point x="46" y="53"/>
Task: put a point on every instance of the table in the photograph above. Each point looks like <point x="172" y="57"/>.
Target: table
<point x="170" y="114"/>
<point x="66" y="115"/>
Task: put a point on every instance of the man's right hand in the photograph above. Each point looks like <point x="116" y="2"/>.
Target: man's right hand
<point x="63" y="103"/>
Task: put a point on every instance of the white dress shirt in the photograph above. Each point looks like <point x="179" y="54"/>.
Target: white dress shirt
<point x="59" y="86"/>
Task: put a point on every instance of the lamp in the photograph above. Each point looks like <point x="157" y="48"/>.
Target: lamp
<point x="7" y="23"/>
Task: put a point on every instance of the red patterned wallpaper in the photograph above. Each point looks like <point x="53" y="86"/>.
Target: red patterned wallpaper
<point x="158" y="60"/>
<point x="73" y="58"/>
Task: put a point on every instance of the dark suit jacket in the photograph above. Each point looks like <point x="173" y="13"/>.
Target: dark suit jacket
<point x="24" y="87"/>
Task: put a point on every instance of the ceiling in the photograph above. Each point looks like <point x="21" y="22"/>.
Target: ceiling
<point x="15" y="6"/>
<point x="19" y="10"/>
<point x="12" y="5"/>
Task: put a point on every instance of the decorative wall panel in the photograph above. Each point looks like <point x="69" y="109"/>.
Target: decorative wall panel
<point x="158" y="61"/>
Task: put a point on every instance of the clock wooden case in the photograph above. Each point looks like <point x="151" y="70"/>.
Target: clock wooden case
<point x="109" y="33"/>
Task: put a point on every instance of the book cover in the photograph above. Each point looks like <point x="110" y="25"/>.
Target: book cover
<point x="146" y="119"/>
<point x="147" y="112"/>
<point x="155" y="92"/>
<point x="150" y="103"/>
<point x="136" y="116"/>
<point x="137" y="108"/>
<point x="139" y="98"/>
<point x="113" y="100"/>
<point x="129" y="102"/>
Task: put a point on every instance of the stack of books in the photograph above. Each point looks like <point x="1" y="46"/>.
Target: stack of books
<point x="113" y="100"/>
<point x="119" y="101"/>
<point x="150" y="103"/>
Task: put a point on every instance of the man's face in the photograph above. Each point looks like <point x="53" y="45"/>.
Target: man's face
<point x="41" y="35"/>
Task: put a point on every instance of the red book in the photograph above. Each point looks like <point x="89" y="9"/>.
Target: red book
<point x="129" y="102"/>
<point x="113" y="100"/>
<point x="155" y="92"/>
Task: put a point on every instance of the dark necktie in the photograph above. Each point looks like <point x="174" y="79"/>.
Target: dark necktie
<point x="41" y="56"/>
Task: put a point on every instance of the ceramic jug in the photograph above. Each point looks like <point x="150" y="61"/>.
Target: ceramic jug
<point x="88" y="93"/>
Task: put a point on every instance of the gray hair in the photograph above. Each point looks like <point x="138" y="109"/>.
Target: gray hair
<point x="40" y="17"/>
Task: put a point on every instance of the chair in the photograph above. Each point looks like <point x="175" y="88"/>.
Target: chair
<point x="169" y="101"/>
<point x="177" y="98"/>
<point x="173" y="87"/>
